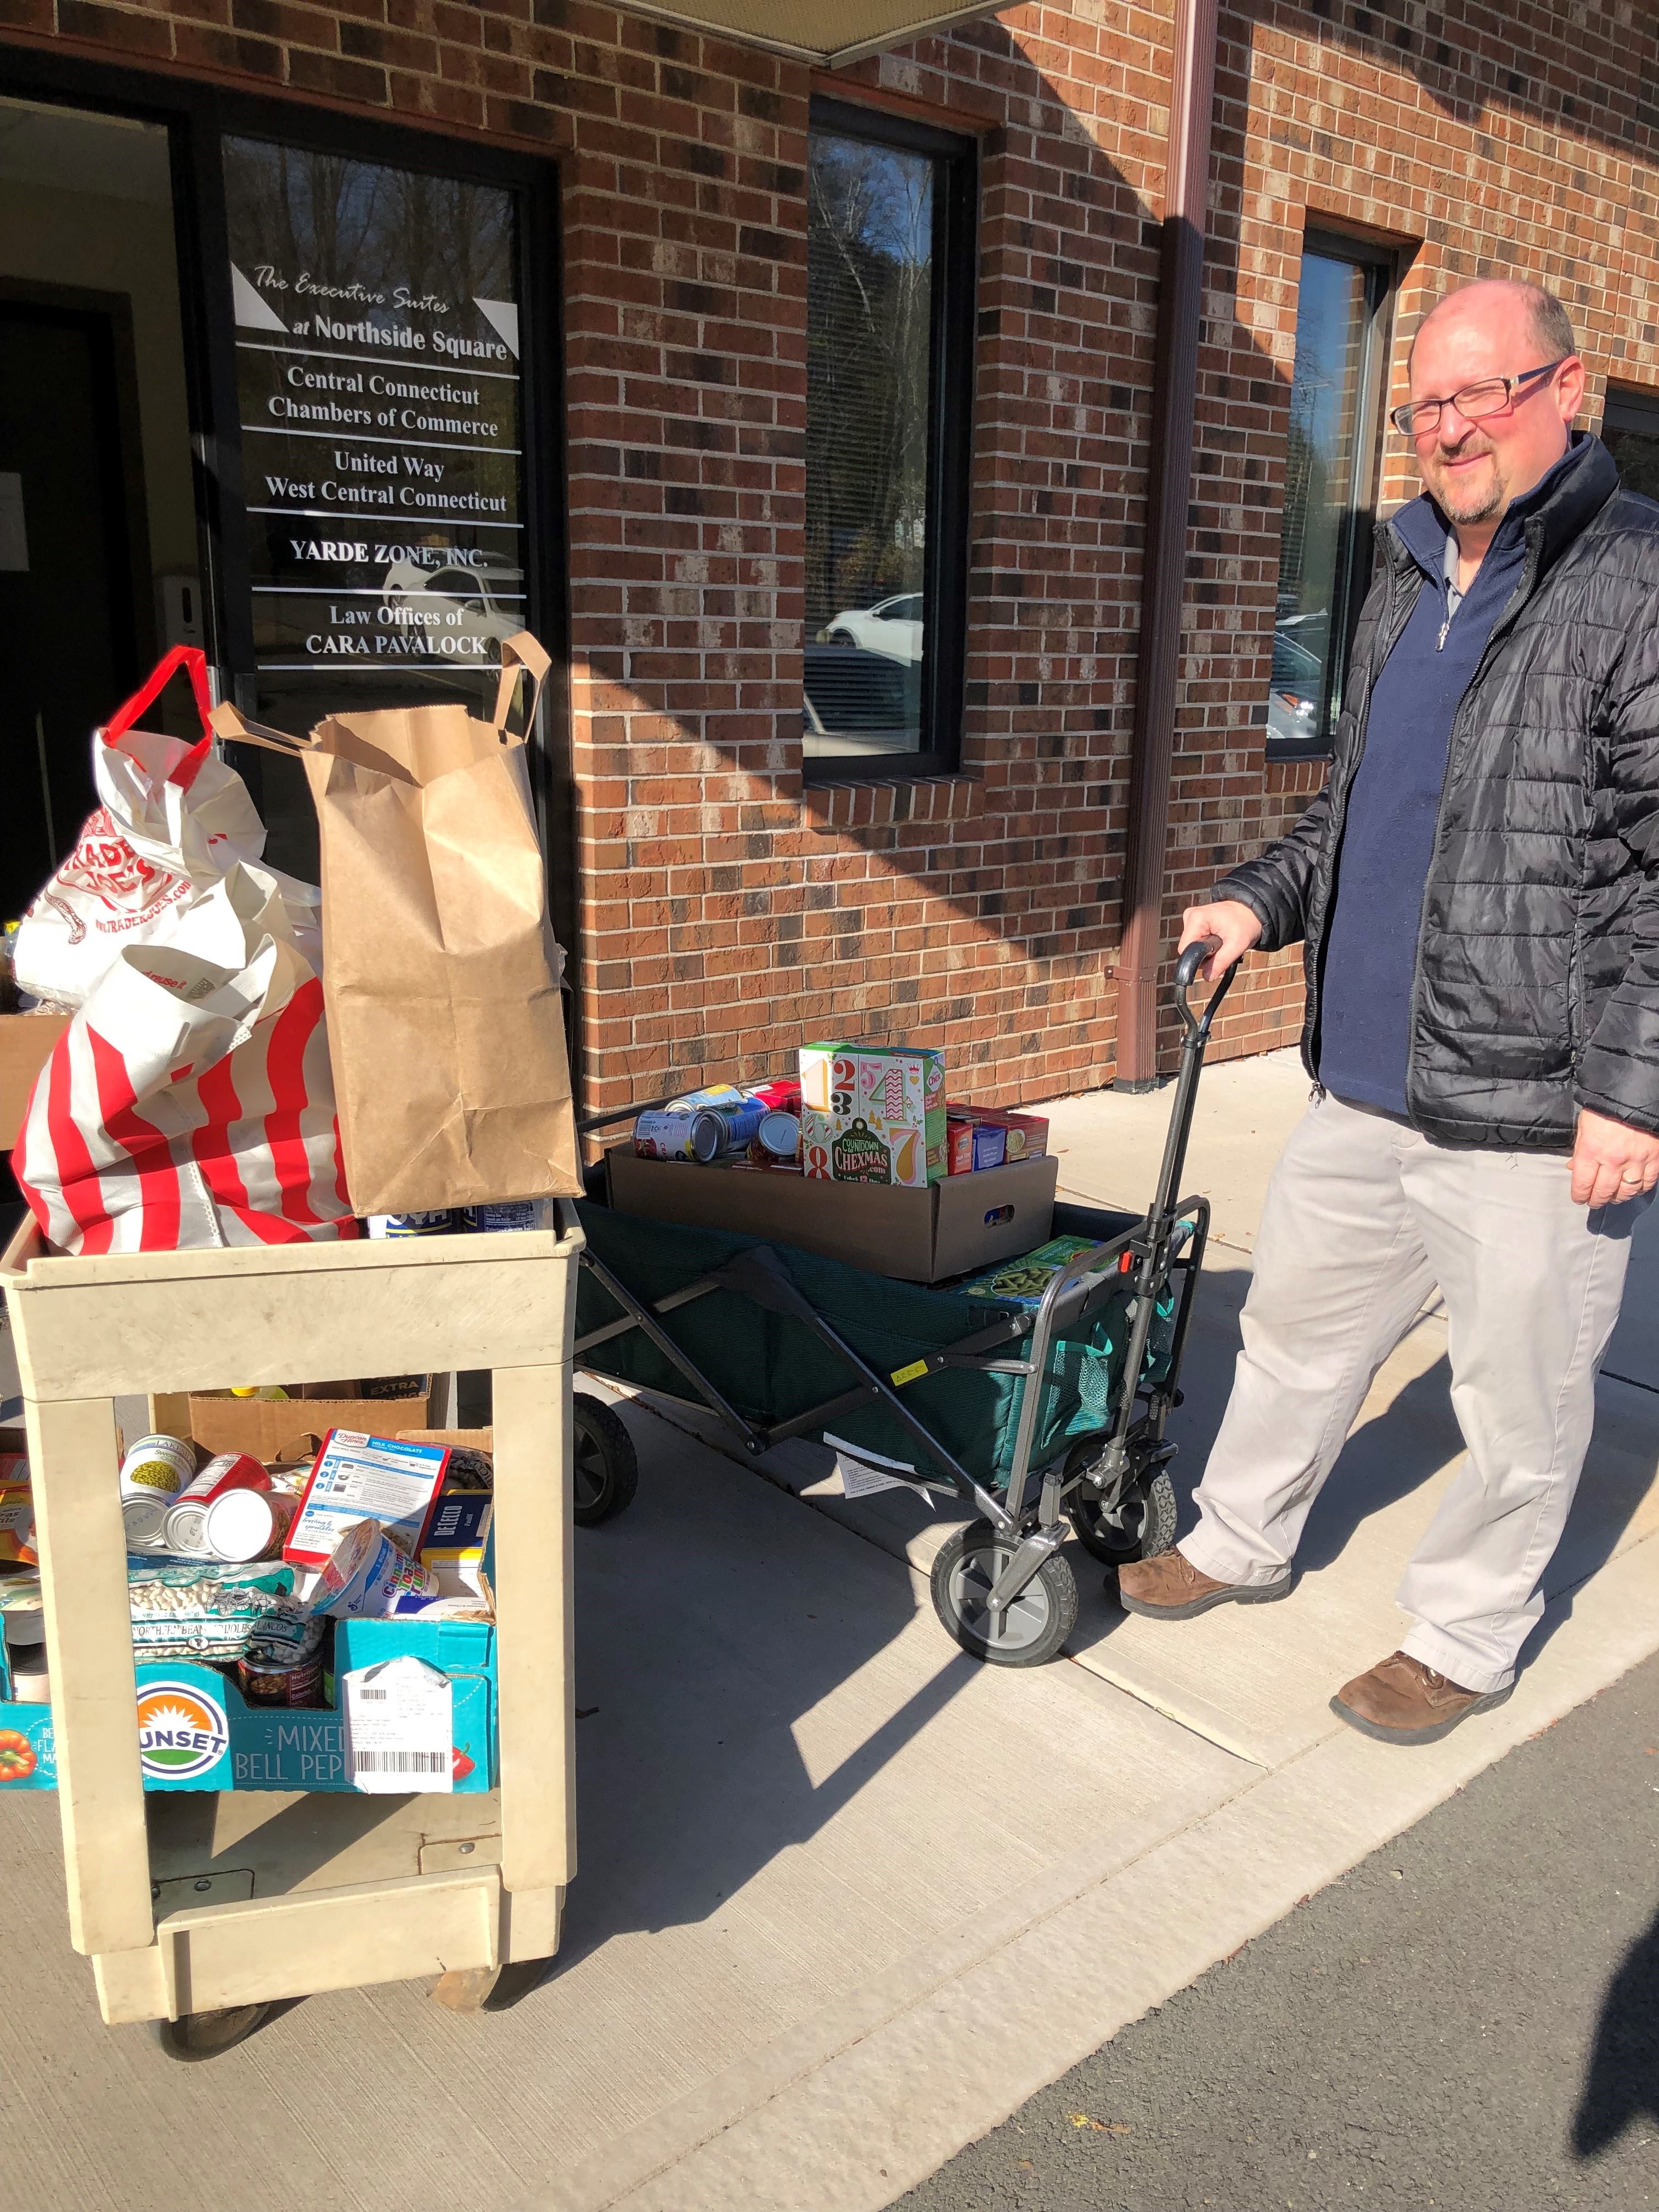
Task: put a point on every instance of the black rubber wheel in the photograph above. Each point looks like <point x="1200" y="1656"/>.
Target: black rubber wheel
<point x="1141" y="1526"/>
<point x="197" y="2035"/>
<point x="607" y="1470"/>
<point x="1031" y="1630"/>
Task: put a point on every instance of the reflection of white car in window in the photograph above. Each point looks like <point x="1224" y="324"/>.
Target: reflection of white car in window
<point x="461" y="599"/>
<point x="1297" y="681"/>
<point x="891" y="625"/>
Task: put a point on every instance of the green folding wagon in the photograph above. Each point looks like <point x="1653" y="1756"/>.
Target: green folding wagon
<point x="1038" y="1419"/>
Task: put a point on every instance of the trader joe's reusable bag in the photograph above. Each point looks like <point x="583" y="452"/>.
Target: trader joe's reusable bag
<point x="440" y="968"/>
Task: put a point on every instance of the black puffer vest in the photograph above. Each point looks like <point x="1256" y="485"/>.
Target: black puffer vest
<point x="1537" y="980"/>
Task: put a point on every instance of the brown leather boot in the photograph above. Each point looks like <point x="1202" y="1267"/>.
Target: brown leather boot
<point x="1170" y="1588"/>
<point x="1402" y="1701"/>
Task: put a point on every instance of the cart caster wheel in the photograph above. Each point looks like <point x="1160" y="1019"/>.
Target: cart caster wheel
<point x="1141" y="1526"/>
<point x="1031" y="1630"/>
<point x="607" y="1471"/>
<point x="197" y="2035"/>
<point x="466" y="1988"/>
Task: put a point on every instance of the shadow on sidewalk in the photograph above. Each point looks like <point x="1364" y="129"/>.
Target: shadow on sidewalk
<point x="1621" y="2087"/>
<point x="705" y="1644"/>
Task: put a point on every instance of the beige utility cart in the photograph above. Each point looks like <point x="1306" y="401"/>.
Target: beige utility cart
<point x="199" y="1911"/>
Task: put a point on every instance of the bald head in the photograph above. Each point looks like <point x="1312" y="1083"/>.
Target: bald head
<point x="1525" y="308"/>
<point x="1495" y="331"/>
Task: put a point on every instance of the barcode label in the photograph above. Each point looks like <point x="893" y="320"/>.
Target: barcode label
<point x="398" y="1726"/>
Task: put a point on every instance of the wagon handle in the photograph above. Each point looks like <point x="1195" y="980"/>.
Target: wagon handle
<point x="1186" y="976"/>
<point x="1161" y="1220"/>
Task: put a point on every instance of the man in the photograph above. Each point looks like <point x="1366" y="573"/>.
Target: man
<point x="1478" y="887"/>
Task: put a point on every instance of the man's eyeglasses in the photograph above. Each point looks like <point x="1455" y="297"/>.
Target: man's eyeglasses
<point x="1492" y="396"/>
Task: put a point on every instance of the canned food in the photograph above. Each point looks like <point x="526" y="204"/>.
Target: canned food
<point x="281" y="1681"/>
<point x="664" y="1134"/>
<point x="243" y="1525"/>
<point x="509" y="1214"/>
<point x="777" y="1140"/>
<point x="717" y="1130"/>
<point x="413" y="1225"/>
<point x="184" y="1528"/>
<point x="153" y="1474"/>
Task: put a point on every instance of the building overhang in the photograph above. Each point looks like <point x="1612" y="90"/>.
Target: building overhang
<point x="827" y="32"/>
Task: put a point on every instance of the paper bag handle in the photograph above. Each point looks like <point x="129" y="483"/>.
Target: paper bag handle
<point x="520" y="652"/>
<point x="193" y="661"/>
<point x="230" y="722"/>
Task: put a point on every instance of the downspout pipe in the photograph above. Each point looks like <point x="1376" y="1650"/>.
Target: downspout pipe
<point x="1157" y="660"/>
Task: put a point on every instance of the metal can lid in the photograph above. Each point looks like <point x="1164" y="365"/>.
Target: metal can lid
<point x="184" y="1528"/>
<point x="143" y="1517"/>
<point x="239" y="1526"/>
<point x="780" y="1135"/>
<point x="710" y="1136"/>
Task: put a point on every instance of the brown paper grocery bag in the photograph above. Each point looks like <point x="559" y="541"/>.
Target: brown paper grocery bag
<point x="441" y="975"/>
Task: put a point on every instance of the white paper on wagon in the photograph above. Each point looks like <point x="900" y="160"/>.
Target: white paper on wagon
<point x="863" y="1473"/>
<point x="399" y="1727"/>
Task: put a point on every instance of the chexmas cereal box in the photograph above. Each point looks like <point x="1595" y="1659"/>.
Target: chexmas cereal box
<point x="872" y="1113"/>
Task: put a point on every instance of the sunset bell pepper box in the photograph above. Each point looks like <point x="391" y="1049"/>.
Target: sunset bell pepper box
<point x="196" y="1731"/>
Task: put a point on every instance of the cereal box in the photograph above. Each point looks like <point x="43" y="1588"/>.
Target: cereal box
<point x="872" y="1113"/>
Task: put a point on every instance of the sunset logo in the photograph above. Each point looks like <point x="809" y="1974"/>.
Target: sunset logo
<point x="181" y="1730"/>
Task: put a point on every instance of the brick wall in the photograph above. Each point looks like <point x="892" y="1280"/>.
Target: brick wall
<point x="727" y="910"/>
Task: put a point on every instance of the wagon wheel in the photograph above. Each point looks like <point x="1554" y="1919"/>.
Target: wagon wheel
<point x="607" y="1469"/>
<point x="1138" y="1527"/>
<point x="197" y="2035"/>
<point x="1028" y="1632"/>
<point x="466" y="1989"/>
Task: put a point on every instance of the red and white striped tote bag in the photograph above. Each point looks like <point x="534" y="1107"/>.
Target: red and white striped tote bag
<point x="190" y="1102"/>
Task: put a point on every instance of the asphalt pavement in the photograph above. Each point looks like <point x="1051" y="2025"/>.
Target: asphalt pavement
<point x="1469" y="2019"/>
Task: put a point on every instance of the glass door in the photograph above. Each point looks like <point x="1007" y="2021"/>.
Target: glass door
<point x="377" y="336"/>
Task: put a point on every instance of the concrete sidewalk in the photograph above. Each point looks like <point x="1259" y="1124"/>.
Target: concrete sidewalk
<point x="846" y="1899"/>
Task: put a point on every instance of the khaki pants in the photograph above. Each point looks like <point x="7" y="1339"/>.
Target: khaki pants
<point x="1363" y="1218"/>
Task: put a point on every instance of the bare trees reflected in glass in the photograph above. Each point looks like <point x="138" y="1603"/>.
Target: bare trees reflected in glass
<point x="1330" y="476"/>
<point x="879" y="264"/>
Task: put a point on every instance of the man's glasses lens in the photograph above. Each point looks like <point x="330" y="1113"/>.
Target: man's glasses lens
<point x="1490" y="397"/>
<point x="1471" y="403"/>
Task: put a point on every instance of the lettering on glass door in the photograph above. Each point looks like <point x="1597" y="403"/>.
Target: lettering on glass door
<point x="378" y="369"/>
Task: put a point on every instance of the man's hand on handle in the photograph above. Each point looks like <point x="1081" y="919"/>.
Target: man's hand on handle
<point x="1237" y="925"/>
<point x="1611" y="1160"/>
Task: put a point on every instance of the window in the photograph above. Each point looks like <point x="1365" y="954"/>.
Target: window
<point x="1630" y="431"/>
<point x="1330" y="477"/>
<point x="889" y="382"/>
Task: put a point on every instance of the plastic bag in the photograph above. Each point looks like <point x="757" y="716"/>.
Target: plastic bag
<point x="190" y="1101"/>
<point x="175" y="820"/>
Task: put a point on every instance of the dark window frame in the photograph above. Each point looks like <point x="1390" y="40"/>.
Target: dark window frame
<point x="955" y="258"/>
<point x="1380" y="264"/>
<point x="199" y="116"/>
<point x="1633" y="408"/>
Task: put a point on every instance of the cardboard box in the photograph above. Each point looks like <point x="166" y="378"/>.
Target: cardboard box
<point x="26" y="1043"/>
<point x="953" y="1227"/>
<point x="294" y="1428"/>
<point x="872" y="1113"/>
<point x="243" y="1746"/>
